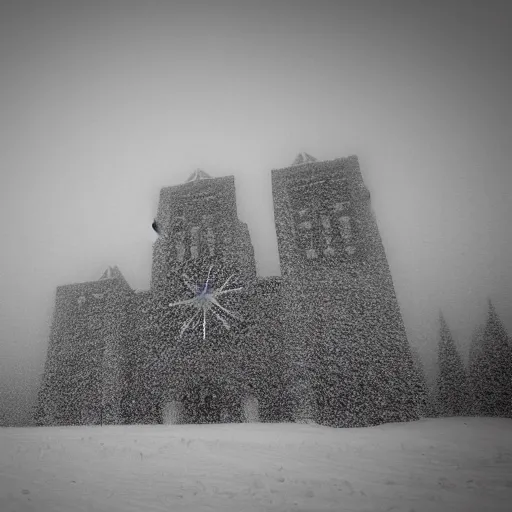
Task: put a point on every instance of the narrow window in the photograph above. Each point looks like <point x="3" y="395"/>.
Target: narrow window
<point x="180" y="246"/>
<point x="305" y="225"/>
<point x="327" y="233"/>
<point x="311" y="253"/>
<point x="194" y="242"/>
<point x="341" y="206"/>
<point x="345" y="227"/>
<point x="210" y="240"/>
<point x="326" y="223"/>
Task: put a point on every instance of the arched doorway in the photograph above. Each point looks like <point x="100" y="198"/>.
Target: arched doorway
<point x="203" y="402"/>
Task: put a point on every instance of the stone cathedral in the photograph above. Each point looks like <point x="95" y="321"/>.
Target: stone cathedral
<point x="212" y="342"/>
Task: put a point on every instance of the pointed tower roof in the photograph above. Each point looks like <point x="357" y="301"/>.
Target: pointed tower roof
<point x="199" y="174"/>
<point x="303" y="158"/>
<point x="111" y="273"/>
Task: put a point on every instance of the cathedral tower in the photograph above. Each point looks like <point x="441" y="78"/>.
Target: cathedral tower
<point x="197" y="354"/>
<point x="84" y="377"/>
<point x="198" y="221"/>
<point x="349" y="358"/>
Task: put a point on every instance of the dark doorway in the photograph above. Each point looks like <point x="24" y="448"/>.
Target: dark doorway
<point x="202" y="403"/>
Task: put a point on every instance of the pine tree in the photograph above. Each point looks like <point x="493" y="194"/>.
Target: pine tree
<point x="493" y="370"/>
<point x="475" y="349"/>
<point x="420" y="384"/>
<point x="451" y="396"/>
<point x="474" y="361"/>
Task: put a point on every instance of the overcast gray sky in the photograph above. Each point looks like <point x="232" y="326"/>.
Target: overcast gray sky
<point x="103" y="103"/>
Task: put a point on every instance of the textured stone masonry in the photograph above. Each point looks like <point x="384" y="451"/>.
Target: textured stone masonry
<point x="323" y="342"/>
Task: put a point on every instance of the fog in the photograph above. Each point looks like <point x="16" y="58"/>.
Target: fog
<point x="104" y="103"/>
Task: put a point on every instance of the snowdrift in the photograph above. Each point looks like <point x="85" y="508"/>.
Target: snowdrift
<point x="450" y="464"/>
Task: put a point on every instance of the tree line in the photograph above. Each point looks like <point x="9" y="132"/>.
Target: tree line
<point x="483" y="387"/>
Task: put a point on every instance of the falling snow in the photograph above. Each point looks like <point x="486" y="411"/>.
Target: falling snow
<point x="212" y="342"/>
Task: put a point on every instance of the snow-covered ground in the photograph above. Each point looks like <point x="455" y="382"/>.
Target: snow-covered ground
<point x="452" y="464"/>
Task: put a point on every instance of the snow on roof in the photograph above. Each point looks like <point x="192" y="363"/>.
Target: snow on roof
<point x="111" y="273"/>
<point x="199" y="174"/>
<point x="303" y="158"/>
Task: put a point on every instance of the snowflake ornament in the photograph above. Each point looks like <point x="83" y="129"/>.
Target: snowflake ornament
<point x="204" y="301"/>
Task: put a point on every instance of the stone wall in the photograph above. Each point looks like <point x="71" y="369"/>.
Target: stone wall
<point x="245" y="360"/>
<point x="83" y="380"/>
<point x="324" y="342"/>
<point x="350" y="361"/>
<point x="199" y="229"/>
<point x="269" y="351"/>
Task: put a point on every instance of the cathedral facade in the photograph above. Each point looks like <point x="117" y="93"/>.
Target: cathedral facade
<point x="210" y="341"/>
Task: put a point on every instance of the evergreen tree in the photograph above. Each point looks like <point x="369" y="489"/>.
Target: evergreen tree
<point x="493" y="370"/>
<point x="452" y="396"/>
<point x="475" y="348"/>
<point x="474" y="361"/>
<point x="420" y="384"/>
